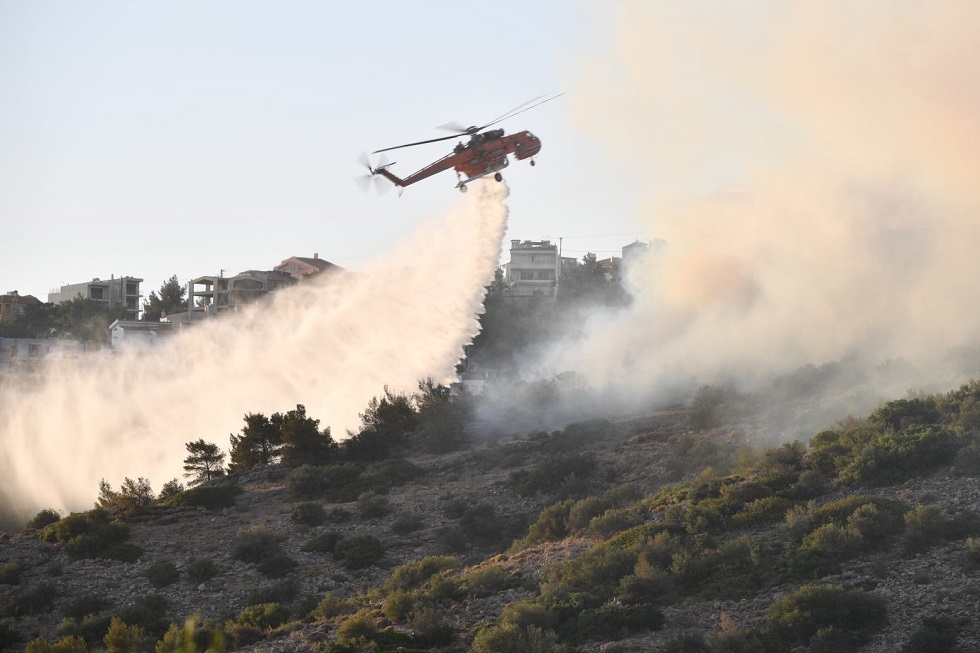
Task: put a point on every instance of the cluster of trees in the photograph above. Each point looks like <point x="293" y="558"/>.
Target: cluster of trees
<point x="509" y="328"/>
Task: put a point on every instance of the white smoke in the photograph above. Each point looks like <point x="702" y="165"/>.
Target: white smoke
<point x="331" y="344"/>
<point x="812" y="168"/>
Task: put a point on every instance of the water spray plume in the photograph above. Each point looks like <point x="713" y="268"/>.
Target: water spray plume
<point x="330" y="343"/>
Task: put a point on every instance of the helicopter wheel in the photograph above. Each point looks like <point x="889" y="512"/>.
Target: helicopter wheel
<point x="498" y="177"/>
<point x="462" y="188"/>
<point x="533" y="163"/>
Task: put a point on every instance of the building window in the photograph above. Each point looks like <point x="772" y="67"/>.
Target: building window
<point x="132" y="289"/>
<point x="527" y="275"/>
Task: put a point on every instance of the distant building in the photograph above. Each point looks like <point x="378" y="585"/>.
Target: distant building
<point x="127" y="333"/>
<point x="300" y="266"/>
<point x="214" y="295"/>
<point x="124" y="290"/>
<point x="13" y="305"/>
<point x="533" y="268"/>
<point x="611" y="267"/>
<point x="471" y="384"/>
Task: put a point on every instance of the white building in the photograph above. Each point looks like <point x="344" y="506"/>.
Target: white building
<point x="533" y="268"/>
<point x="124" y="290"/>
<point x="142" y="334"/>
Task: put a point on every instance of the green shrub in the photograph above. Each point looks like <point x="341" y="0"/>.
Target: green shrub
<point x="799" y="616"/>
<point x="10" y="573"/>
<point x="284" y="591"/>
<point x="201" y="570"/>
<point x="148" y="612"/>
<point x="840" y="510"/>
<point x="212" y="497"/>
<point x="935" y="634"/>
<point x="414" y="574"/>
<point x="67" y="644"/>
<point x="121" y="637"/>
<point x="44" y="518"/>
<point x="613" y="622"/>
<point x="358" y="625"/>
<point x="511" y="638"/>
<point x="875" y="526"/>
<point x="486" y="580"/>
<point x="431" y="628"/>
<point x="331" y="607"/>
<point x="309" y="513"/>
<point x="84" y="605"/>
<point x="896" y="456"/>
<point x="336" y="481"/>
<point x="528" y="613"/>
<point x="584" y="510"/>
<point x="395" y="472"/>
<point x="86" y="534"/>
<point x="551" y="524"/>
<point x="481" y="524"/>
<point x="264" y="616"/>
<point x="834" y="542"/>
<point x="598" y="571"/>
<point x="552" y="473"/>
<point x="90" y="628"/>
<point x="124" y="552"/>
<point x="408" y="523"/>
<point x="686" y="641"/>
<point x="359" y="551"/>
<point x="614" y="521"/>
<point x="36" y="600"/>
<point x="261" y="548"/>
<point x="767" y="510"/>
<point x="371" y="505"/>
<point x="323" y="543"/>
<point x="399" y="605"/>
<point x="162" y="574"/>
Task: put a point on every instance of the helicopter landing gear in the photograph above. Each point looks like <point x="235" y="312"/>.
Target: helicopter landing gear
<point x="533" y="163"/>
<point x="498" y="177"/>
<point x="462" y="188"/>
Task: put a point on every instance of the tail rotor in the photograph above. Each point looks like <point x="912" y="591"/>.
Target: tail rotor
<point x="365" y="180"/>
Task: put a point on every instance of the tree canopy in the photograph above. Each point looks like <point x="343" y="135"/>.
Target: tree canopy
<point x="171" y="299"/>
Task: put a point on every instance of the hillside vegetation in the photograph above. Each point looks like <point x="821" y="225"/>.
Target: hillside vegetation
<point x="656" y="532"/>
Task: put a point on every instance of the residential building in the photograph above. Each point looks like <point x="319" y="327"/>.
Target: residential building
<point x="214" y="295"/>
<point x="122" y="290"/>
<point x="300" y="266"/>
<point x="13" y="305"/>
<point x="533" y="268"/>
<point x="127" y="333"/>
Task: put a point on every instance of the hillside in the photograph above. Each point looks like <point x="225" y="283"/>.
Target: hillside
<point x="639" y="534"/>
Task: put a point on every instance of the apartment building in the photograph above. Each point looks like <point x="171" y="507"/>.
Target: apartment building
<point x="121" y="290"/>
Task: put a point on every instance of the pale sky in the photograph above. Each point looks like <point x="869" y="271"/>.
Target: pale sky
<point x="149" y="139"/>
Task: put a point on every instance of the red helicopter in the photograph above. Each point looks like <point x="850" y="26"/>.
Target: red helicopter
<point x="484" y="154"/>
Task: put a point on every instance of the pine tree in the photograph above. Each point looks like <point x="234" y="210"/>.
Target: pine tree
<point x="204" y="463"/>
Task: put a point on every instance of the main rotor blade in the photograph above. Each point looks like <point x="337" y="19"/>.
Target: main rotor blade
<point x="514" y="112"/>
<point x="454" y="126"/>
<point x="431" y="140"/>
<point x="364" y="161"/>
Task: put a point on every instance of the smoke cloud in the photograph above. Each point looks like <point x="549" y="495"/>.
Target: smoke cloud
<point x="812" y="169"/>
<point x="330" y="343"/>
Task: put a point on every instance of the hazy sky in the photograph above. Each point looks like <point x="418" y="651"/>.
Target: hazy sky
<point x="157" y="138"/>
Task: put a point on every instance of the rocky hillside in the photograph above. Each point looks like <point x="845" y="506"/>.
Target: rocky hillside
<point x="640" y="534"/>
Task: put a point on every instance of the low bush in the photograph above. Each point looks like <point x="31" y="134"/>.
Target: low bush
<point x="414" y="574"/>
<point x="551" y="524"/>
<point x="10" y="573"/>
<point x="309" y="513"/>
<point x="486" y="580"/>
<point x="935" y="634"/>
<point x="510" y="638"/>
<point x="86" y="534"/>
<point x="264" y="616"/>
<point x="84" y="605"/>
<point x="124" y="552"/>
<point x="399" y="605"/>
<point x="261" y="548"/>
<point x="36" y="600"/>
<point x="359" y="551"/>
<point x="686" y="641"/>
<point x="480" y="524"/>
<point x="67" y="644"/>
<point x="395" y="472"/>
<point x="212" y="497"/>
<point x="800" y="616"/>
<point x="284" y="591"/>
<point x="162" y="574"/>
<point x="408" y="523"/>
<point x="148" y="612"/>
<point x="328" y="481"/>
<point x="372" y="505"/>
<point x="44" y="518"/>
<point x="552" y="473"/>
<point x="761" y="512"/>
<point x="330" y="607"/>
<point x="431" y="628"/>
<point x="322" y="543"/>
<point x="201" y="570"/>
